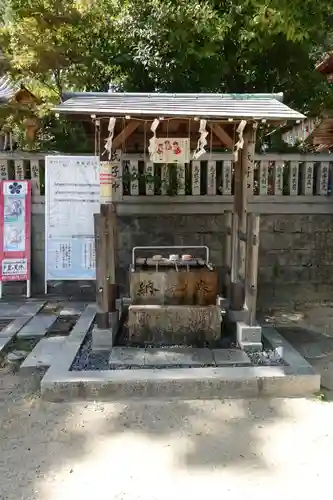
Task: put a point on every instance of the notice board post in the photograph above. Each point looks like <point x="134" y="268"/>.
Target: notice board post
<point x="15" y="233"/>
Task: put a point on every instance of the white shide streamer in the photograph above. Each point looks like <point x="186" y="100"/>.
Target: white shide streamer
<point x="202" y="141"/>
<point x="108" y="142"/>
<point x="152" y="140"/>
<point x="239" y="145"/>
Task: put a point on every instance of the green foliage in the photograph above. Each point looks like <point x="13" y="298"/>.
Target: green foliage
<point x="168" y="45"/>
<point x="230" y="46"/>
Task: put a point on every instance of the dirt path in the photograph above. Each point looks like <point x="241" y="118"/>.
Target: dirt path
<point x="162" y="450"/>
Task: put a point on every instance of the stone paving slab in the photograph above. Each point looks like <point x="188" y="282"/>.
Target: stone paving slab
<point x="12" y="310"/>
<point x="73" y="309"/>
<point x="43" y="354"/>
<point x="127" y="356"/>
<point x="223" y="357"/>
<point x="37" y="326"/>
<point x="9" y="309"/>
<point x="30" y="308"/>
<point x="174" y="356"/>
<point x="14" y="327"/>
<point x="178" y="356"/>
<point x="4" y="341"/>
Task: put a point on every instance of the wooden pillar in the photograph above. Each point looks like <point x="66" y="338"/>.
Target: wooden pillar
<point x="245" y="156"/>
<point x="234" y="248"/>
<point x="109" y="213"/>
<point x="106" y="246"/>
<point x="102" y="315"/>
<point x="227" y="254"/>
<point x="252" y="266"/>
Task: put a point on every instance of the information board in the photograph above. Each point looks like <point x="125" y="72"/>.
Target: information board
<point x="71" y="199"/>
<point x="15" y="235"/>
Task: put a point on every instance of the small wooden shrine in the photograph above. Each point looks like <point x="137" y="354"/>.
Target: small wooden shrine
<point x="178" y="129"/>
<point x="15" y="98"/>
<point x="316" y="132"/>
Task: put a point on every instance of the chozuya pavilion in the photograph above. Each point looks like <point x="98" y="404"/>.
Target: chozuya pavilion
<point x="176" y="295"/>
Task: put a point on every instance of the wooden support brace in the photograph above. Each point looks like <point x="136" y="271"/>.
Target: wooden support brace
<point x="124" y="134"/>
<point x="222" y="135"/>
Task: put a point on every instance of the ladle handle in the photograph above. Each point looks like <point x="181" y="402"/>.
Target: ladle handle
<point x="200" y="247"/>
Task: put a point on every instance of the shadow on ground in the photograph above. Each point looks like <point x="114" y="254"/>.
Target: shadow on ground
<point x="43" y="443"/>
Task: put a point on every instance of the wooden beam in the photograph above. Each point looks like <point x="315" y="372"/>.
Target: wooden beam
<point x="222" y="135"/>
<point x="125" y="134"/>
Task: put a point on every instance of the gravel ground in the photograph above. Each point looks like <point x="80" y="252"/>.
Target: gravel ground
<point x="139" y="450"/>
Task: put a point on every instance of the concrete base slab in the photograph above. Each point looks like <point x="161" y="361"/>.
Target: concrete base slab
<point x="37" y="326"/>
<point x="103" y="339"/>
<point x="170" y="324"/>
<point x="325" y="369"/>
<point x="248" y="336"/>
<point x="42" y="356"/>
<point x="223" y="357"/>
<point x="297" y="379"/>
<point x="182" y="383"/>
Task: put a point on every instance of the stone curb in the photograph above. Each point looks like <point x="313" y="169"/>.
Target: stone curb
<point x="61" y="384"/>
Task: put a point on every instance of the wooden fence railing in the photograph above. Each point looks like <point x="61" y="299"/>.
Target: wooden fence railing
<point x="279" y="179"/>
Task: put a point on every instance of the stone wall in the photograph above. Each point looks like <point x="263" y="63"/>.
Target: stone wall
<point x="296" y="252"/>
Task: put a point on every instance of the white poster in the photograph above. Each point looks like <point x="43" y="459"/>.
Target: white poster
<point x="71" y="199"/>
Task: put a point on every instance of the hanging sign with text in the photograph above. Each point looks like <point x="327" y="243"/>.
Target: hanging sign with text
<point x="72" y="196"/>
<point x="15" y="222"/>
<point x="171" y="150"/>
